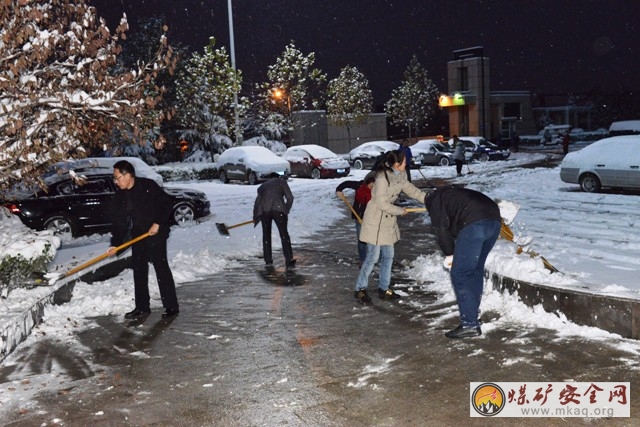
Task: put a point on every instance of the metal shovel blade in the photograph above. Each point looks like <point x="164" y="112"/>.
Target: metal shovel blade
<point x="222" y="229"/>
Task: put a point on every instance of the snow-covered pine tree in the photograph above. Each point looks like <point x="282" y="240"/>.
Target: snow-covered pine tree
<point x="204" y="98"/>
<point x="414" y="102"/>
<point x="57" y="91"/>
<point x="299" y="85"/>
<point x="349" y="99"/>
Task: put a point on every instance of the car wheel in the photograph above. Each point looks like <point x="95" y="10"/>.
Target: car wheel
<point x="222" y="176"/>
<point x="315" y="173"/>
<point x="358" y="164"/>
<point x="183" y="213"/>
<point x="60" y="226"/>
<point x="484" y="157"/>
<point x="253" y="178"/>
<point x="590" y="183"/>
<point x="444" y="161"/>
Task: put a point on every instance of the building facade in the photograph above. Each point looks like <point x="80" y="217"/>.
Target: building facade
<point x="475" y="110"/>
<point x="314" y="127"/>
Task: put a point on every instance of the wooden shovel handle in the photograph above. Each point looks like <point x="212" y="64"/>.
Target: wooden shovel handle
<point x="507" y="234"/>
<point x="416" y="209"/>
<point x="344" y="199"/>
<point x="104" y="255"/>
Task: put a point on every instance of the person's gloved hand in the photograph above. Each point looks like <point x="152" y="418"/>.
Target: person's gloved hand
<point x="448" y="262"/>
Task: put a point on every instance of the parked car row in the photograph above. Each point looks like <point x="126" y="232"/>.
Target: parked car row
<point x="76" y="201"/>
<point x="478" y="148"/>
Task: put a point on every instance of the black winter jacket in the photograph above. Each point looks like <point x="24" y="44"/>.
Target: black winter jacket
<point x="274" y="195"/>
<point x="452" y="208"/>
<point x="134" y="211"/>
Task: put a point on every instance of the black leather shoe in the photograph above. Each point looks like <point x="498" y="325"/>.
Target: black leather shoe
<point x="136" y="313"/>
<point x="387" y="294"/>
<point x="170" y="313"/>
<point x="464" y="332"/>
<point x="291" y="264"/>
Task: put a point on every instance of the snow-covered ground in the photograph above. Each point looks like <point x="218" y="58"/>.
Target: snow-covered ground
<point x="590" y="238"/>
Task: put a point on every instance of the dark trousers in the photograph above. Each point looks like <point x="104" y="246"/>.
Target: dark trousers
<point x="153" y="250"/>
<point x="473" y="244"/>
<point x="281" y="220"/>
<point x="459" y="164"/>
<point x="408" y="170"/>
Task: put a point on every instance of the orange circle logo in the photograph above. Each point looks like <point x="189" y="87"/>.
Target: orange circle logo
<point x="488" y="399"/>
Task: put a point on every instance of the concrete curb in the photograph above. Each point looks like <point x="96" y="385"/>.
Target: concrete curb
<point x="613" y="314"/>
<point x="23" y="324"/>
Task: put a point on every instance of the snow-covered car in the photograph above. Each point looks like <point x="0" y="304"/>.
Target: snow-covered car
<point x="315" y="161"/>
<point x="553" y="134"/>
<point x="78" y="203"/>
<point x="610" y="162"/>
<point x="478" y="148"/>
<point x="94" y="163"/>
<point x="364" y="156"/>
<point x="432" y="152"/>
<point x="252" y="164"/>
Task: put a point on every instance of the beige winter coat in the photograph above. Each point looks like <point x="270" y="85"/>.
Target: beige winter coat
<point x="379" y="225"/>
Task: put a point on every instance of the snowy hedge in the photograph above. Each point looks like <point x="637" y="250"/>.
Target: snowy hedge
<point x="22" y="252"/>
<point x="188" y="172"/>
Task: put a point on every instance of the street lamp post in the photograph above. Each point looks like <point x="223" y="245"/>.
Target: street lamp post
<point x="279" y="93"/>
<point x="233" y="65"/>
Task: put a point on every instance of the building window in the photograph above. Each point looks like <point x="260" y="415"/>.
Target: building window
<point x="512" y="109"/>
<point x="463" y="79"/>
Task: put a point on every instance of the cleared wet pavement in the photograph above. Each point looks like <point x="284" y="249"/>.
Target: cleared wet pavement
<point x="254" y="347"/>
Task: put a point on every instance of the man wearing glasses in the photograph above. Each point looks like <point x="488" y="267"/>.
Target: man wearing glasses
<point x="141" y="206"/>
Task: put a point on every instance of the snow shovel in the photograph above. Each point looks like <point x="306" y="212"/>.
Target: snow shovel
<point x="425" y="178"/>
<point x="344" y="199"/>
<point x="224" y="230"/>
<point x="53" y="278"/>
<point x="507" y="234"/>
<point x="469" y="172"/>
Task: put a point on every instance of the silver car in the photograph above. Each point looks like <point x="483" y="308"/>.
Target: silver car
<point x="610" y="162"/>
<point x="252" y="164"/>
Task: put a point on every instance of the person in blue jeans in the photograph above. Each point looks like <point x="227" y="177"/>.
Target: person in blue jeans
<point x="467" y="224"/>
<point x="379" y="225"/>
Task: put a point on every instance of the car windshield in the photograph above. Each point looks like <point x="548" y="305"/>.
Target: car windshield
<point x="319" y="152"/>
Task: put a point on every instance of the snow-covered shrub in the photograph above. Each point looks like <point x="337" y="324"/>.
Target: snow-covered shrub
<point x="188" y="172"/>
<point x="22" y="251"/>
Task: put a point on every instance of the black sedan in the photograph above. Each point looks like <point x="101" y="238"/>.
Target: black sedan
<point x="80" y="206"/>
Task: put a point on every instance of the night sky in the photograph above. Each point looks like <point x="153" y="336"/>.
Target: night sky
<point x="544" y="46"/>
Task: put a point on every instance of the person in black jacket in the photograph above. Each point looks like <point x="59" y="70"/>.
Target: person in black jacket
<point x="273" y="203"/>
<point x="467" y="224"/>
<point x="141" y="206"/>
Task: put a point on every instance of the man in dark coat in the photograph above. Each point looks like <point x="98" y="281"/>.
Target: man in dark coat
<point x="407" y="155"/>
<point x="141" y="206"/>
<point x="467" y="224"/>
<point x="273" y="203"/>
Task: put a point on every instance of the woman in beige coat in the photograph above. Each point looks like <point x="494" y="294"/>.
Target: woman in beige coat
<point x="379" y="226"/>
